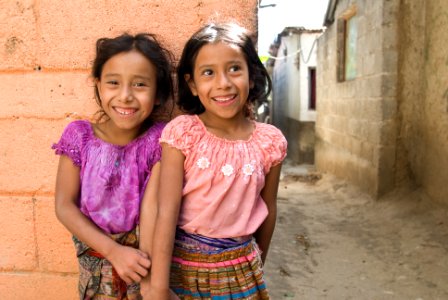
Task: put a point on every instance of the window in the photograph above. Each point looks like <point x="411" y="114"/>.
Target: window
<point x="312" y="88"/>
<point x="347" y="34"/>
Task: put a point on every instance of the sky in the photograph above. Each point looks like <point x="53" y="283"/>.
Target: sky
<point x="272" y="20"/>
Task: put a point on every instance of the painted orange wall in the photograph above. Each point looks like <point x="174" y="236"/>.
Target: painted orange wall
<point x="46" y="48"/>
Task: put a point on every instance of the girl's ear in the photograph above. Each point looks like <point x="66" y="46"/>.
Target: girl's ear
<point x="96" y="81"/>
<point x="251" y="84"/>
<point x="191" y="84"/>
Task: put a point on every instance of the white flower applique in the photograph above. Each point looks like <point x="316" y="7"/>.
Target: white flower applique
<point x="248" y="169"/>
<point x="227" y="170"/>
<point x="203" y="163"/>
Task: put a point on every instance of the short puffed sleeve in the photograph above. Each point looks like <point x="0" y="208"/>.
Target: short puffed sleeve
<point x="182" y="133"/>
<point x="273" y="144"/>
<point x="72" y="140"/>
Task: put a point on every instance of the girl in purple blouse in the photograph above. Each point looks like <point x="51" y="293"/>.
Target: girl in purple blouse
<point x="105" y="167"/>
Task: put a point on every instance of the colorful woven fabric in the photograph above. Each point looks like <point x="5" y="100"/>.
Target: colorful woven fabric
<point x="217" y="269"/>
<point x="98" y="279"/>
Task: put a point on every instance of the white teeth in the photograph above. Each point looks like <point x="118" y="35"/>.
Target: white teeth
<point x="223" y="99"/>
<point x="124" y="112"/>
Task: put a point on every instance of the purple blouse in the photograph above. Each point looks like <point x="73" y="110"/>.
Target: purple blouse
<point x="113" y="178"/>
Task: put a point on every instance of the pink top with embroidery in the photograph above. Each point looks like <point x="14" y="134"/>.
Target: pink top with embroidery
<point x="223" y="178"/>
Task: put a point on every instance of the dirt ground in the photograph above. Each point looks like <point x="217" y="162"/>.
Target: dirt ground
<point x="334" y="242"/>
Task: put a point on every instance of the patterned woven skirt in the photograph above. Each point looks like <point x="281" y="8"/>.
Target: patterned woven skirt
<point x="217" y="269"/>
<point x="98" y="279"/>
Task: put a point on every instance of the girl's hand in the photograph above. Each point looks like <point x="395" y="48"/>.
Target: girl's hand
<point x="131" y="264"/>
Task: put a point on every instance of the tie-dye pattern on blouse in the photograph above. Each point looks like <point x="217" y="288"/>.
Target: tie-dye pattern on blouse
<point x="113" y="178"/>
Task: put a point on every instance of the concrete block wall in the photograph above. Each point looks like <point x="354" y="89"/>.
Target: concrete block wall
<point x="423" y="96"/>
<point x="356" y="125"/>
<point x="46" y="49"/>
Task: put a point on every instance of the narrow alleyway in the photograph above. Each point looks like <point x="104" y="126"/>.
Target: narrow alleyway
<point x="334" y="242"/>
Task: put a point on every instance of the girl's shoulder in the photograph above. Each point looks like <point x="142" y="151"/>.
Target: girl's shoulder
<point x="150" y="139"/>
<point x="183" y="125"/>
<point x="269" y="132"/>
<point x="183" y="132"/>
<point x="79" y="129"/>
<point x="183" y="120"/>
<point x="272" y="143"/>
<point x="76" y="134"/>
<point x="155" y="130"/>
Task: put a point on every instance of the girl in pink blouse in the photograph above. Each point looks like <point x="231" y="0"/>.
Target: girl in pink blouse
<point x="105" y="167"/>
<point x="219" y="174"/>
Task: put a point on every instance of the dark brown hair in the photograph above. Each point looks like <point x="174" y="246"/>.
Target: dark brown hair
<point x="229" y="33"/>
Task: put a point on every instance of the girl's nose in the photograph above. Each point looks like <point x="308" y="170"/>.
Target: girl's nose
<point x="223" y="80"/>
<point x="126" y="94"/>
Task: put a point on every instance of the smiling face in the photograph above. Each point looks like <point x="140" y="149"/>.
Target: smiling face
<point x="127" y="90"/>
<point x="220" y="80"/>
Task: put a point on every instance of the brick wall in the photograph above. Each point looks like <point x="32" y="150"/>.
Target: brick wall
<point x="45" y="54"/>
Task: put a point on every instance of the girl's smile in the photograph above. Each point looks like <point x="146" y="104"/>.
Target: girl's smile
<point x="225" y="100"/>
<point x="125" y="111"/>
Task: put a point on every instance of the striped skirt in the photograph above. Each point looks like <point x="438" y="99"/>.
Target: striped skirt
<point x="98" y="279"/>
<point x="217" y="269"/>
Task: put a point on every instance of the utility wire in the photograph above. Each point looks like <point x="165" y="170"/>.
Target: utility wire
<point x="296" y="52"/>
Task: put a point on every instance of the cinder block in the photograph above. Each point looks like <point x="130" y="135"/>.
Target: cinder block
<point x="18" y="35"/>
<point x="27" y="161"/>
<point x="56" y="252"/>
<point x="17" y="239"/>
<point x="366" y="151"/>
<point x="47" y="95"/>
<point x="372" y="110"/>
<point x="33" y="286"/>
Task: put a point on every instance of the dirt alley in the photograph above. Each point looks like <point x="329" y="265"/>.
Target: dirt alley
<point x="334" y="242"/>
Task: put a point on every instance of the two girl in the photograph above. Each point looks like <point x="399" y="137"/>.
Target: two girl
<point x="104" y="167"/>
<point x="219" y="175"/>
<point x="219" y="172"/>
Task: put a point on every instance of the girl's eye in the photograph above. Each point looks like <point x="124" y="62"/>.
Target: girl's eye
<point x="112" y="82"/>
<point x="207" y="72"/>
<point x="139" y="84"/>
<point x="235" y="68"/>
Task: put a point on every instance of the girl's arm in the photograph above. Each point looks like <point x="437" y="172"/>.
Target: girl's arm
<point x="130" y="264"/>
<point x="269" y="194"/>
<point x="169" y="200"/>
<point x="148" y="215"/>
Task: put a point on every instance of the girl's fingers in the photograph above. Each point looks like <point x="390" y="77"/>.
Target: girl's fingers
<point x="144" y="262"/>
<point x="136" y="277"/>
<point x="141" y="271"/>
<point x="127" y="279"/>
<point x="142" y="254"/>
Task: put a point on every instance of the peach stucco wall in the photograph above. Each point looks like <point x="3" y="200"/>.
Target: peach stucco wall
<point x="46" y="47"/>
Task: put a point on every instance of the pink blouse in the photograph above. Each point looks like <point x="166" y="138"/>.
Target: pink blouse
<point x="223" y="178"/>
